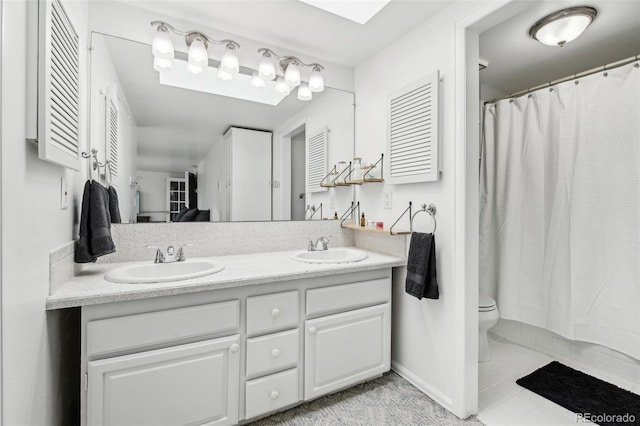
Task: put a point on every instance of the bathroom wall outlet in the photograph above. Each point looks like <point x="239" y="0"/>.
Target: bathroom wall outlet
<point x="388" y="199"/>
<point x="64" y="194"/>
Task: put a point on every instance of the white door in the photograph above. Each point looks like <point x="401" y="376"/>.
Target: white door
<point x="183" y="385"/>
<point x="346" y="348"/>
<point x="177" y="196"/>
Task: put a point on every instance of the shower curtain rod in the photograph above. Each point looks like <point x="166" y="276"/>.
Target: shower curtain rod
<point x="568" y="78"/>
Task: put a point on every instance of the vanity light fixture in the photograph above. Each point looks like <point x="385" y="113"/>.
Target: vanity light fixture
<point x="229" y="65"/>
<point x="290" y="65"/>
<point x="563" y="26"/>
<point x="164" y="52"/>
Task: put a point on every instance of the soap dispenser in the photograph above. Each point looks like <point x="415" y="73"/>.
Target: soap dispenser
<point x="362" y="220"/>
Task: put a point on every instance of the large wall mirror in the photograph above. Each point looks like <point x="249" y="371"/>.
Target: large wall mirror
<point x="181" y="153"/>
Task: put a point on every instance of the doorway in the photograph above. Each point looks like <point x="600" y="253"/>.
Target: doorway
<point x="298" y="172"/>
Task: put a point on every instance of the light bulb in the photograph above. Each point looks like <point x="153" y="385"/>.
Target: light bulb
<point x="316" y="82"/>
<point x="161" y="64"/>
<point x="281" y="86"/>
<point x="198" y="57"/>
<point x="292" y="75"/>
<point x="266" y="69"/>
<point x="229" y="61"/>
<point x="162" y="46"/>
<point x="256" y="80"/>
<point x="304" y="93"/>
<point x="223" y="75"/>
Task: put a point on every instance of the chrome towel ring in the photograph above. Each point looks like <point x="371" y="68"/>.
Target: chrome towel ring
<point x="431" y="209"/>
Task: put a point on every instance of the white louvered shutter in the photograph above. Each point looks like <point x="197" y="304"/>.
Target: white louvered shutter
<point x="412" y="132"/>
<point x="317" y="143"/>
<point x="112" y="135"/>
<point x="59" y="87"/>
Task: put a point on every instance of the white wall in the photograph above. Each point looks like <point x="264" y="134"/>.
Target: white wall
<point x="427" y="344"/>
<point x="333" y="109"/>
<point x="35" y="379"/>
<point x="105" y="82"/>
<point x="153" y="193"/>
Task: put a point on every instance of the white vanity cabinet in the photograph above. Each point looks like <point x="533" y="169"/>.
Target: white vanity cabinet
<point x="188" y="384"/>
<point x="349" y="347"/>
<point x="221" y="357"/>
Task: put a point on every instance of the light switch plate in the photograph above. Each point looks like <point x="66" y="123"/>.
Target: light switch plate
<point x="64" y="194"/>
<point x="388" y="199"/>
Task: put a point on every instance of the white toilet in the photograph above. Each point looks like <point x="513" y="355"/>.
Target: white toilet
<point x="487" y="317"/>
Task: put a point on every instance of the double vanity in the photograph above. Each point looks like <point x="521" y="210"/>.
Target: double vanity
<point x="255" y="334"/>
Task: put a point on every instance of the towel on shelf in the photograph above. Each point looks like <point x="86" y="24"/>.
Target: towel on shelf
<point x="114" y="205"/>
<point x="95" y="224"/>
<point x="421" y="267"/>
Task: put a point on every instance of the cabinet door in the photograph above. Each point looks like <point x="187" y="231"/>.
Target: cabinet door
<point x="346" y="348"/>
<point x="194" y="384"/>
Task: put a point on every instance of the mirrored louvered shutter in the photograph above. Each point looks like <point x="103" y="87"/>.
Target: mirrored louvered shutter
<point x="412" y="132"/>
<point x="58" y="88"/>
<point x="317" y="159"/>
<point x="112" y="135"/>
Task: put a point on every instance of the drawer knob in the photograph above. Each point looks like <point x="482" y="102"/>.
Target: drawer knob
<point x="312" y="330"/>
<point x="275" y="353"/>
<point x="274" y="395"/>
<point x="275" y="313"/>
<point x="234" y="348"/>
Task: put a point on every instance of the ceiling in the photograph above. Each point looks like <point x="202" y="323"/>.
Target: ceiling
<point x="177" y="127"/>
<point x="302" y="28"/>
<point x="517" y="62"/>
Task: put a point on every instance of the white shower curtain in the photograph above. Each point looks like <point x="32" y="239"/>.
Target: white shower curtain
<point x="560" y="208"/>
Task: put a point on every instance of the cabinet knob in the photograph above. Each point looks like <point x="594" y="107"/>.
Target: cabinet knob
<point x="312" y="330"/>
<point x="275" y="313"/>
<point x="234" y="348"/>
<point x="275" y="353"/>
<point x="275" y="395"/>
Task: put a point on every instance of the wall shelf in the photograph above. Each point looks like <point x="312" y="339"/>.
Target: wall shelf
<point x="375" y="230"/>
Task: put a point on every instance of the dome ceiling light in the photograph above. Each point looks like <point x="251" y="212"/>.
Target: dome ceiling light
<point x="563" y="26"/>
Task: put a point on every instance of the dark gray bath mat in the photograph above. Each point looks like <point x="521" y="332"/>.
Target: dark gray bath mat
<point x="594" y="399"/>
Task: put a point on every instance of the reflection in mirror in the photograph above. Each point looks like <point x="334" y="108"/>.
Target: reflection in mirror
<point x="183" y="154"/>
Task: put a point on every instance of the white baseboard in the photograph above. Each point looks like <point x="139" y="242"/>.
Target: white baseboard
<point x="423" y="386"/>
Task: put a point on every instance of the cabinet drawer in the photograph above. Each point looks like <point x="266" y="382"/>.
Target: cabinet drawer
<point x="272" y="312"/>
<point x="271" y="393"/>
<point x="273" y="352"/>
<point x="345" y="297"/>
<point x="153" y="328"/>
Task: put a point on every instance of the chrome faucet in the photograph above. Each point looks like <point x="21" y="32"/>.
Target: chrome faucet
<point x="323" y="242"/>
<point x="172" y="255"/>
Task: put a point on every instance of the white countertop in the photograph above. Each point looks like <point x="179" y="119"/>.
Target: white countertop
<point x="90" y="287"/>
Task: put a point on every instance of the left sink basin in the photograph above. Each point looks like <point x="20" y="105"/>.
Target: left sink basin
<point x="163" y="272"/>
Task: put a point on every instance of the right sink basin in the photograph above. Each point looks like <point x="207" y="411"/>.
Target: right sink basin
<point x="332" y="255"/>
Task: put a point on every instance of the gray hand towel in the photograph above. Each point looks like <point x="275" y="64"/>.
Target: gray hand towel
<point x="421" y="267"/>
<point x="95" y="224"/>
<point x="114" y="205"/>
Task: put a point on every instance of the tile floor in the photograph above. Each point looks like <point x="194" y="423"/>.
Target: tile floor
<point x="502" y="402"/>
